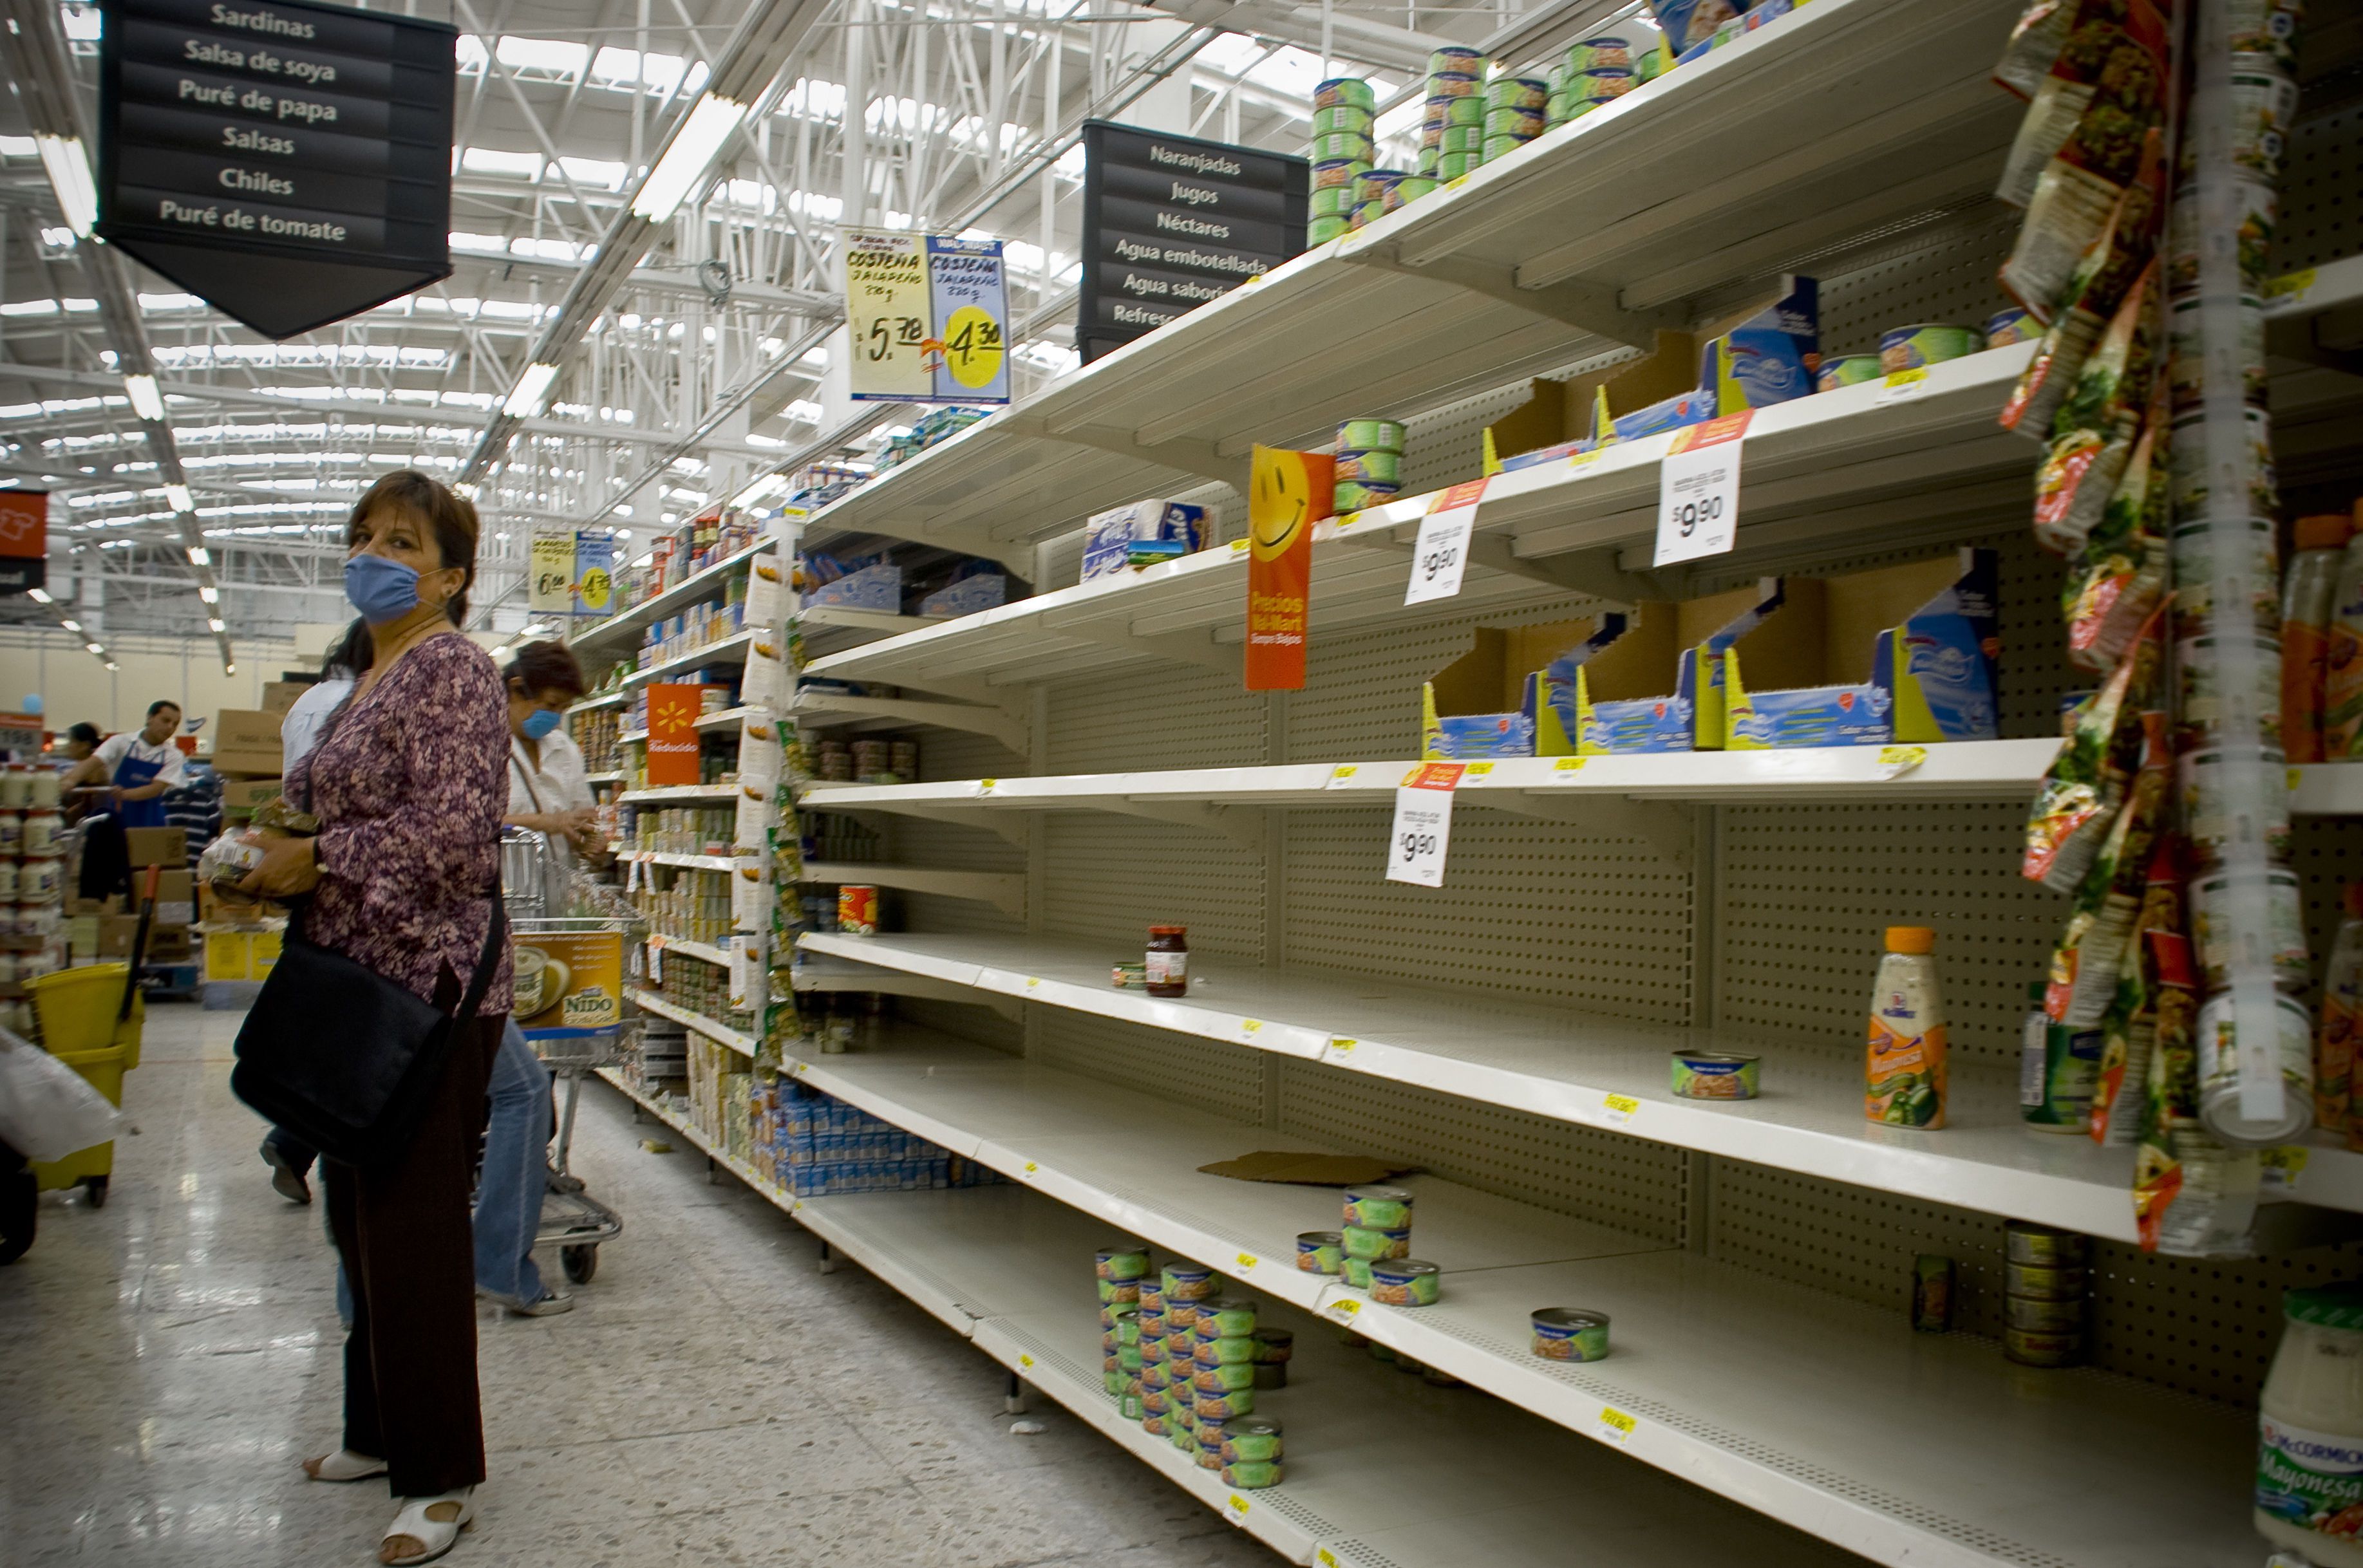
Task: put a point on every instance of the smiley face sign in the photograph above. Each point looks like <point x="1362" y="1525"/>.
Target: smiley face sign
<point x="1287" y="493"/>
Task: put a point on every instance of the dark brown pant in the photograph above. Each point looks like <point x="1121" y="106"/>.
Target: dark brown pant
<point x="404" y="1229"/>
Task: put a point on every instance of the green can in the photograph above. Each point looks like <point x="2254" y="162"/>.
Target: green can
<point x="1350" y="118"/>
<point x="1334" y="174"/>
<point x="1405" y="1282"/>
<point x="1231" y="1317"/>
<point x="1369" y="436"/>
<point x="1568" y="1333"/>
<point x="1927" y="343"/>
<point x="1240" y="1351"/>
<point x="1456" y="111"/>
<point x="1224" y="1404"/>
<point x="1354" y="497"/>
<point x="1130" y="1407"/>
<point x="1337" y="145"/>
<point x="1121" y="1262"/>
<point x="1365" y="213"/>
<point x="1117" y="1381"/>
<point x="1412" y="188"/>
<point x="1451" y="166"/>
<point x="1208" y="1458"/>
<point x="1558" y="109"/>
<point x="1375" y="466"/>
<point x="1156" y="1423"/>
<point x="1128" y="1358"/>
<point x="1156" y="1376"/>
<point x="1428" y="157"/>
<point x="1517" y="92"/>
<point x="1377" y="1208"/>
<point x="1319" y="1252"/>
<point x="1119" y="1292"/>
<point x="1334" y="201"/>
<point x="1182" y="1392"/>
<point x="2045" y="1246"/>
<point x="1367" y="1241"/>
<point x="1254" y="1439"/>
<point x="1229" y="1379"/>
<point x="1344" y="92"/>
<point x="1356" y="1273"/>
<point x="1501" y="147"/>
<point x="1847" y="371"/>
<point x="1932" y="1294"/>
<point x="1456" y="61"/>
<point x="1523" y="124"/>
<point x="1181" y="1316"/>
<point x="1322" y="230"/>
<point x="1177" y="1346"/>
<point x="1177" y="1434"/>
<point x="1461" y="138"/>
<point x="1252" y="1475"/>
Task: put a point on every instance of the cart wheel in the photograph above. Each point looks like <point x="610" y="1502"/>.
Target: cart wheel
<point x="95" y="1187"/>
<point x="581" y="1262"/>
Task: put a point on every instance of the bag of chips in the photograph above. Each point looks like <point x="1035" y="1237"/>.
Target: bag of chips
<point x="2121" y="574"/>
<point x="2087" y="782"/>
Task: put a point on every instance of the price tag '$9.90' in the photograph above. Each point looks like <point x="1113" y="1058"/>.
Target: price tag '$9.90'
<point x="1440" y="557"/>
<point x="1422" y="831"/>
<point x="1698" y="490"/>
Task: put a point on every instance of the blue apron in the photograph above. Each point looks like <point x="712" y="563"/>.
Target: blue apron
<point x="129" y="774"/>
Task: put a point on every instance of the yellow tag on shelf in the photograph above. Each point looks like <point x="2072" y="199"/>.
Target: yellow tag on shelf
<point x="1894" y="761"/>
<point x="1029" y="1167"/>
<point x="2291" y="285"/>
<point x="1032" y="981"/>
<point x="1024" y="1360"/>
<point x="1246" y="1262"/>
<point x="1568" y="764"/>
<point x="2294" y="775"/>
<point x="1238" y="1505"/>
<point x="1346" y="1308"/>
<point x="1251" y="1027"/>
<point x="1614" y="1426"/>
<point x="2282" y="1167"/>
<point x="1477" y="770"/>
<point x="984" y="786"/>
<point x="1343" y="773"/>
<point x="1621" y="1107"/>
<point x="1340" y="1046"/>
<point x="1902" y="384"/>
<point x="1238" y="547"/>
<point x="1581" y="459"/>
<point x="1324" y="1558"/>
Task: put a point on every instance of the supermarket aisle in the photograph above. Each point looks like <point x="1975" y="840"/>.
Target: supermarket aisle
<point x="166" y="1360"/>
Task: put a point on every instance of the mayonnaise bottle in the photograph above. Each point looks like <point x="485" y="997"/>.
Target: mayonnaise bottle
<point x="2308" y="1494"/>
<point x="2340" y="1018"/>
<point x="2342" y="679"/>
<point x="1905" y="1069"/>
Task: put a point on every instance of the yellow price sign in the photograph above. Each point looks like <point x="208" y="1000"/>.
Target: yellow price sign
<point x="1238" y="1505"/>
<point x="984" y="786"/>
<point x="1614" y="1426"/>
<point x="2291" y="285"/>
<point x="1246" y="1262"/>
<point x="1251" y="1027"/>
<point x="1029" y="1167"/>
<point x="973" y="349"/>
<point x="1620" y="1107"/>
<point x="1568" y="764"/>
<point x="1025" y="1360"/>
<point x="1343" y="773"/>
<point x="1894" y="761"/>
<point x="2282" y="1167"/>
<point x="1325" y="1558"/>
<point x="1342" y="1045"/>
<point x="1477" y="770"/>
<point x="1345" y="1309"/>
<point x="1238" y="547"/>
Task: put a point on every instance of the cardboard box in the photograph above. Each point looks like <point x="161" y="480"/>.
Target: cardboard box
<point x="115" y="934"/>
<point x="1905" y="653"/>
<point x="1661" y="686"/>
<point x="176" y="898"/>
<point x="241" y="955"/>
<point x="1775" y="355"/>
<point x="1485" y="704"/>
<point x="982" y="590"/>
<point x="278" y="696"/>
<point x="246" y="744"/>
<point x="157" y="846"/>
<point x="241" y="796"/>
<point x="169" y="945"/>
<point x="1108" y="537"/>
<point x="872" y="588"/>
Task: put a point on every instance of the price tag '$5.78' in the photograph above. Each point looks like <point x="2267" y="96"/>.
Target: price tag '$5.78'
<point x="1423" y="825"/>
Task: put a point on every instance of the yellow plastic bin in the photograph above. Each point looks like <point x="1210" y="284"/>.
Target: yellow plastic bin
<point x="77" y="1009"/>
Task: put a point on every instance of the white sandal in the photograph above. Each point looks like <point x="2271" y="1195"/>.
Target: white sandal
<point x="344" y="1466"/>
<point x="433" y="1537"/>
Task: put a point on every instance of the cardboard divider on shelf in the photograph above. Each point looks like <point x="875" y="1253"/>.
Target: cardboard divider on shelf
<point x="1617" y="701"/>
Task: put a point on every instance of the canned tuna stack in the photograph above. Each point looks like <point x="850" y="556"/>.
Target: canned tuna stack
<point x="1370" y="464"/>
<point x="1119" y="1271"/>
<point x="1514" y="114"/>
<point x="1202" y="1361"/>
<point x="1452" y="129"/>
<point x="1343" y="150"/>
<point x="2149" y="379"/>
<point x="1376" y="1244"/>
<point x="1595" y="71"/>
<point x="2045" y="1274"/>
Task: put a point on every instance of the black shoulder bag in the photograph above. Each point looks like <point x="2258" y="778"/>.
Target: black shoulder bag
<point x="344" y="1058"/>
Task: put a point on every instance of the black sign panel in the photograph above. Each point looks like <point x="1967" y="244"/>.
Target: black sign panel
<point x="1171" y="222"/>
<point x="286" y="160"/>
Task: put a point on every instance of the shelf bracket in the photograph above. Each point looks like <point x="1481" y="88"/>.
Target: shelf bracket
<point x="1199" y="458"/>
<point x="1664" y="825"/>
<point x="996" y="722"/>
<point x="1241" y="824"/>
<point x="1586" y="306"/>
<point x="1176" y="646"/>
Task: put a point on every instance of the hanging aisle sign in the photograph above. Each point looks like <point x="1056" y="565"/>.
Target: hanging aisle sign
<point x="288" y="162"/>
<point x="571" y="573"/>
<point x="1287" y="493"/>
<point x="673" y="711"/>
<point x="1171" y="222"/>
<point x="929" y="318"/>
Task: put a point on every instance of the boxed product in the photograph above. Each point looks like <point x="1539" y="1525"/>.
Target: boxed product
<point x="169" y="945"/>
<point x="1619" y="701"/>
<point x="241" y="796"/>
<point x="1108" y="537"/>
<point x="246" y="744"/>
<point x="176" y="898"/>
<point x="241" y="955"/>
<point x="876" y="587"/>
<point x="165" y="847"/>
<point x="1905" y="653"/>
<point x="1772" y="356"/>
<point x="278" y="696"/>
<point x="985" y="591"/>
<point x="1484" y="703"/>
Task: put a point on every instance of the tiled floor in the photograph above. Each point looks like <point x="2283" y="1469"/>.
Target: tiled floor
<point x="164" y="1362"/>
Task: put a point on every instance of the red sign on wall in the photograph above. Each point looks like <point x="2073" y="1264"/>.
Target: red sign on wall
<point x="24" y="540"/>
<point x="672" y="733"/>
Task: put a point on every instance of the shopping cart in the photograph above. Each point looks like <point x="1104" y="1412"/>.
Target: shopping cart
<point x="569" y="937"/>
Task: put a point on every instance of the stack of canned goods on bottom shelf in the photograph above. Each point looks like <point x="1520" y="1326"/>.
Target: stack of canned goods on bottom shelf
<point x="1186" y="1363"/>
<point x="2047" y="1275"/>
<point x="1370" y="464"/>
<point x="1343" y="109"/>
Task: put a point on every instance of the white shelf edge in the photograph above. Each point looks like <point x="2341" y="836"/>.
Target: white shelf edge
<point x="706" y="951"/>
<point x="1006" y="890"/>
<point x="678" y="794"/>
<point x="715" y="863"/>
<point x="717" y="652"/>
<point x="742" y="1043"/>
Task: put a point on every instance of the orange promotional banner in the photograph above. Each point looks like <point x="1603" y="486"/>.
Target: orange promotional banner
<point x="1287" y="493"/>
<point x="672" y="734"/>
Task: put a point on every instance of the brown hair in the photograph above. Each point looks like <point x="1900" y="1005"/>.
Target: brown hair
<point x="452" y="518"/>
<point x="546" y="667"/>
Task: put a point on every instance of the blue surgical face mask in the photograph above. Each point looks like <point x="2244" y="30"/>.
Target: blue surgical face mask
<point x="382" y="590"/>
<point x="539" y="722"/>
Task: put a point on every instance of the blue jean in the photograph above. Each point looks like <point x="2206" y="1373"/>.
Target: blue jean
<point x="509" y="1190"/>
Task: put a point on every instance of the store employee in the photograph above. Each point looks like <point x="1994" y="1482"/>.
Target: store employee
<point x="140" y="767"/>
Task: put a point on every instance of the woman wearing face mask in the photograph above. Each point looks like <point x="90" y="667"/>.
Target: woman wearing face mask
<point x="549" y="794"/>
<point x="403" y="878"/>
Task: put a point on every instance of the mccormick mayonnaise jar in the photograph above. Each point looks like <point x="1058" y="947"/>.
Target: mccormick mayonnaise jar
<point x="1903" y="1079"/>
<point x="2309" y="1430"/>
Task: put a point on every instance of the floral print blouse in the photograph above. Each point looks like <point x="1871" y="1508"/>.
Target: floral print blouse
<point x="409" y="785"/>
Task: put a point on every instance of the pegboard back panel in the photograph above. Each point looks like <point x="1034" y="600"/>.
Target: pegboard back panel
<point x="1537" y="910"/>
<point x="1617" y="1181"/>
<point x="1154" y="716"/>
<point x="1943" y="271"/>
<point x="964" y="1019"/>
<point x="2203" y="1327"/>
<point x="2320" y="216"/>
<point x="1225" y="1079"/>
<point x="1805" y="893"/>
<point x="1110" y="879"/>
<point x="948" y="847"/>
<point x="957" y="754"/>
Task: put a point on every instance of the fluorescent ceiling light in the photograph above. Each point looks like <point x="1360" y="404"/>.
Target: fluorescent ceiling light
<point x="178" y="497"/>
<point x="146" y="401"/>
<point x="213" y="623"/>
<point x="71" y="626"/>
<point x="112" y="664"/>
<point x="200" y="555"/>
<point x="687" y="158"/>
<point x="228" y="667"/>
<point x="94" y="647"/>
<point x="38" y="595"/>
<point x="532" y="391"/>
<point x="69" y="169"/>
<point x="209" y="593"/>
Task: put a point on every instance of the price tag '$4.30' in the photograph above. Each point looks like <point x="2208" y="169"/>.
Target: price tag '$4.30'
<point x="1422" y="824"/>
<point x="1698" y="490"/>
<point x="1440" y="558"/>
